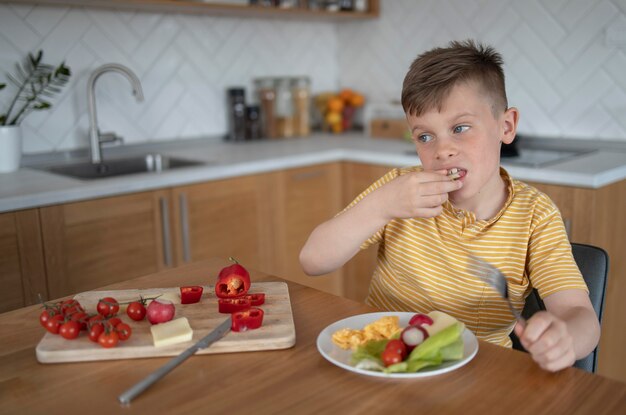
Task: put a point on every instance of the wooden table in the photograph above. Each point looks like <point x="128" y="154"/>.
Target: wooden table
<point x="296" y="381"/>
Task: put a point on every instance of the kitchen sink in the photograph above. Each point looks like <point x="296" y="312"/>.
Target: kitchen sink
<point x="148" y="163"/>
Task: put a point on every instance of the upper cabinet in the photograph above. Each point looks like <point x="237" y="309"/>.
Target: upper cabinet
<point x="216" y="8"/>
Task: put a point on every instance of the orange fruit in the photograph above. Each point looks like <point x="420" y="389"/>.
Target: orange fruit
<point x="335" y="104"/>
<point x="357" y="100"/>
<point x="346" y="94"/>
<point x="333" y="118"/>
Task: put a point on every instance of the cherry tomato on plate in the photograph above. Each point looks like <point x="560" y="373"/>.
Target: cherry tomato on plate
<point x="108" y="306"/>
<point x="394" y="352"/>
<point x="136" y="310"/>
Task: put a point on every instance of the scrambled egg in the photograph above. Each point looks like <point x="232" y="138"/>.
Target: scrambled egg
<point x="380" y="329"/>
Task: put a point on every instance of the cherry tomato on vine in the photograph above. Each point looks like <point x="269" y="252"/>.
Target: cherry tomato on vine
<point x="70" y="306"/>
<point x="136" y="310"/>
<point x="81" y="317"/>
<point x="97" y="318"/>
<point x="70" y="329"/>
<point x="45" y="316"/>
<point x="123" y="331"/>
<point x="113" y="322"/>
<point x="108" y="306"/>
<point x="108" y="339"/>
<point x="95" y="331"/>
<point x="54" y="323"/>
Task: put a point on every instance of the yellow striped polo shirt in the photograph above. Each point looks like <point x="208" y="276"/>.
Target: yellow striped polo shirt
<point x="422" y="262"/>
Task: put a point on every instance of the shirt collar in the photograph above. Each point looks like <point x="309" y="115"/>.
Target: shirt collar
<point x="453" y="212"/>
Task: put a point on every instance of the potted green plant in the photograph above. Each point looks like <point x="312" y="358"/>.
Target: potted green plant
<point x="36" y="83"/>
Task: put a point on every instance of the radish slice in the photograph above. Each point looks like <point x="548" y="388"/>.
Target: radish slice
<point x="420" y="320"/>
<point x="413" y="336"/>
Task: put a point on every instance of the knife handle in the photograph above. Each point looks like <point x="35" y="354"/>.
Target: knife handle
<point x="146" y="382"/>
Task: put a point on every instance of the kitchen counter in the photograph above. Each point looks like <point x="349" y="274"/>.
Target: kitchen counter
<point x="295" y="380"/>
<point x="29" y="188"/>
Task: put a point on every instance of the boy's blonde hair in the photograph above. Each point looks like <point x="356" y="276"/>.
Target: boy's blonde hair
<point x="434" y="73"/>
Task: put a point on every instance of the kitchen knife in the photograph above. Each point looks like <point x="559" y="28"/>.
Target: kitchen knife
<point x="203" y="343"/>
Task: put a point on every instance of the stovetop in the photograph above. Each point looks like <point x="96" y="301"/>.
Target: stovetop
<point x="539" y="158"/>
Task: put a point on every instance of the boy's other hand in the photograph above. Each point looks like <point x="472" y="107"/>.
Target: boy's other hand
<point x="417" y="194"/>
<point x="547" y="339"/>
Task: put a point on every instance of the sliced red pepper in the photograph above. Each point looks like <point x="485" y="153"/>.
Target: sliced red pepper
<point x="246" y="320"/>
<point x="190" y="294"/>
<point x="232" y="305"/>
<point x="256" y="299"/>
<point x="232" y="281"/>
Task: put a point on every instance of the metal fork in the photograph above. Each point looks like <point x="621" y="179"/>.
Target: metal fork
<point x="496" y="279"/>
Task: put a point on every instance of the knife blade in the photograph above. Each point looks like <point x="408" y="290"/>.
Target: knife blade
<point x="146" y="382"/>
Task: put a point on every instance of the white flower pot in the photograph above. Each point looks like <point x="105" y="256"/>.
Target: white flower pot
<point x="10" y="148"/>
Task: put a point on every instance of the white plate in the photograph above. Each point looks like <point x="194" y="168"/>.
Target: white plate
<point x="341" y="358"/>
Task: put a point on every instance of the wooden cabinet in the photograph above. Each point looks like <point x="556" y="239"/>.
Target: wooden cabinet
<point x="223" y="8"/>
<point x="304" y="198"/>
<point x="358" y="271"/>
<point x="22" y="273"/>
<point x="98" y="242"/>
<point x="225" y="218"/>
<point x="596" y="217"/>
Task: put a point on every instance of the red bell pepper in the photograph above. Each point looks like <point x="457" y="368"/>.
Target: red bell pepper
<point x="232" y="281"/>
<point x="246" y="320"/>
<point x="190" y="294"/>
<point x="256" y="299"/>
<point x="232" y="305"/>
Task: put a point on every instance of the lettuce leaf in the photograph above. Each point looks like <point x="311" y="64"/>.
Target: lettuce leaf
<point x="447" y="345"/>
<point x="373" y="349"/>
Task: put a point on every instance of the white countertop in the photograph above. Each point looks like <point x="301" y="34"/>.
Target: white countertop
<point x="29" y="188"/>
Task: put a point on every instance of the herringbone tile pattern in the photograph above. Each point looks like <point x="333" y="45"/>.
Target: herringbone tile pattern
<point x="562" y="74"/>
<point x="185" y="64"/>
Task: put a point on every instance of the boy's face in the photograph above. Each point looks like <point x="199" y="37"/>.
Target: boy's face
<point x="465" y="135"/>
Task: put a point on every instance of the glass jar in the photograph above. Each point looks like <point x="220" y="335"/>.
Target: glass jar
<point x="266" y="95"/>
<point x="284" y="108"/>
<point x="302" y="106"/>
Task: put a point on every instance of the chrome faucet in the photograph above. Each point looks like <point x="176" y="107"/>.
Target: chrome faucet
<point x="95" y="138"/>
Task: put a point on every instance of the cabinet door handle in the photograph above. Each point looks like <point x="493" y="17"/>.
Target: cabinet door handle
<point x="184" y="226"/>
<point x="165" y="223"/>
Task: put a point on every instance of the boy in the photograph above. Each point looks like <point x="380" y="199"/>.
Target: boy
<point x="426" y="219"/>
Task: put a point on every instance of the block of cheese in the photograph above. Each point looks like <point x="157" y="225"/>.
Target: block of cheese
<point x="441" y="320"/>
<point x="172" y="332"/>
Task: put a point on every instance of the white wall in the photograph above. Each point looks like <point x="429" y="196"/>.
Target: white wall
<point x="561" y="73"/>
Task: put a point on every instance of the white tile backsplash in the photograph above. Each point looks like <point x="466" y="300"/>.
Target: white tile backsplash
<point x="562" y="75"/>
<point x="558" y="65"/>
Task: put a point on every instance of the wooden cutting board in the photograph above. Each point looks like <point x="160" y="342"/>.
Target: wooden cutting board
<point x="277" y="331"/>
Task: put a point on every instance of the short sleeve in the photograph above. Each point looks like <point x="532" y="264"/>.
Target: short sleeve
<point x="551" y="265"/>
<point x="378" y="235"/>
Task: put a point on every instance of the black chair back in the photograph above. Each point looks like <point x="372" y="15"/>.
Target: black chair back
<point x="594" y="266"/>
